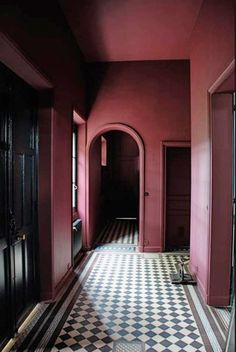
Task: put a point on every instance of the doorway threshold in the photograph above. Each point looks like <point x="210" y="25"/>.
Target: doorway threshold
<point x="125" y="218"/>
<point x="116" y="247"/>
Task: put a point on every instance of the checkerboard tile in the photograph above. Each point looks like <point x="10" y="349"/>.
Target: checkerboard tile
<point x="119" y="231"/>
<point x="127" y="296"/>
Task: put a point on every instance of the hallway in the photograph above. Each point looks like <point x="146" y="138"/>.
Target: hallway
<point x="125" y="296"/>
<point x="121" y="232"/>
<point x="112" y="111"/>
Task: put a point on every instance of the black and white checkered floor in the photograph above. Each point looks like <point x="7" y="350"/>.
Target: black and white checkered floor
<point x="120" y="231"/>
<point x="126" y="296"/>
<point x="134" y="300"/>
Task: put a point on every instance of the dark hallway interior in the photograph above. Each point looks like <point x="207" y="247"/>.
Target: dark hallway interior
<point x="119" y="189"/>
<point x="120" y="177"/>
<point x="178" y="189"/>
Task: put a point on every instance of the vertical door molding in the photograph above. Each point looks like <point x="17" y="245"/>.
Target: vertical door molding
<point x="220" y="197"/>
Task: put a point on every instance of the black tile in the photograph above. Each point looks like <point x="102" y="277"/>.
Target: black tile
<point x="181" y="344"/>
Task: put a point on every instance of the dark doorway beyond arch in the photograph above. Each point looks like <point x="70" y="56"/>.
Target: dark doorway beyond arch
<point x="120" y="176"/>
<point x="115" y="182"/>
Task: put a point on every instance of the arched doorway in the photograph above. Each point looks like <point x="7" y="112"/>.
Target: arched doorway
<point x="94" y="182"/>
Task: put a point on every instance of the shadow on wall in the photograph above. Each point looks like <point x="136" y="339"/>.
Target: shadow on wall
<point x="94" y="74"/>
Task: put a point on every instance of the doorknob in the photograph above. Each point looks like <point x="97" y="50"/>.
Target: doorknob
<point x="21" y="237"/>
<point x="12" y="222"/>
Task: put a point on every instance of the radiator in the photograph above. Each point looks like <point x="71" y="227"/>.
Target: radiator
<point x="77" y="237"/>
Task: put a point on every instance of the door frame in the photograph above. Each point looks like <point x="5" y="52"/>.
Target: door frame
<point x="212" y="239"/>
<point x="12" y="56"/>
<point x="129" y="130"/>
<point x="17" y="321"/>
<point x="12" y="84"/>
<point x="163" y="173"/>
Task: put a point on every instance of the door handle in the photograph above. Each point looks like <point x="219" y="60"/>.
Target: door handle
<point x="21" y="237"/>
<point x="12" y="222"/>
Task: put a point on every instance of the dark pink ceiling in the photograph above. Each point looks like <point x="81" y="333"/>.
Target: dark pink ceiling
<point x="126" y="30"/>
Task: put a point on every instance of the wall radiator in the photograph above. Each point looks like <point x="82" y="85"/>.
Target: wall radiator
<point x="77" y="237"/>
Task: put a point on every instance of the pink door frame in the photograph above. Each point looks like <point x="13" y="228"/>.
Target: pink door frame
<point x="139" y="141"/>
<point x="214" y="238"/>
<point x="164" y="145"/>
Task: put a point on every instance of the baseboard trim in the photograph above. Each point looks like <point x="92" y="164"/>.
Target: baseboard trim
<point x="87" y="248"/>
<point x="64" y="282"/>
<point x="79" y="256"/>
<point x="201" y="287"/>
<point x="220" y="301"/>
<point x="140" y="249"/>
<point x="152" y="249"/>
<point x="46" y="296"/>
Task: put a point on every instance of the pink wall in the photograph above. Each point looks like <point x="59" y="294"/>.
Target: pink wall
<point x="212" y="51"/>
<point x="45" y="179"/>
<point x="153" y="98"/>
<point x="221" y="211"/>
<point x="39" y="30"/>
<point x="95" y="191"/>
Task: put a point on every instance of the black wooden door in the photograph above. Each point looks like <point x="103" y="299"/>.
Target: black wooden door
<point x="5" y="313"/>
<point x="18" y="197"/>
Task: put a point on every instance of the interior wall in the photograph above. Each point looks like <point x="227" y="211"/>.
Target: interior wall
<point x="221" y="208"/>
<point x="95" y="200"/>
<point x="81" y="176"/>
<point x="154" y="99"/>
<point x="212" y="50"/>
<point x="41" y="34"/>
<point x="45" y="222"/>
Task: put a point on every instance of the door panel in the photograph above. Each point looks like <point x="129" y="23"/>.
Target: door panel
<point x="18" y="253"/>
<point x="18" y="191"/>
<point x="18" y="198"/>
<point x="178" y="185"/>
<point x="4" y="290"/>
<point x="28" y="196"/>
<point x="232" y="284"/>
<point x="23" y="195"/>
<point x="5" y="275"/>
